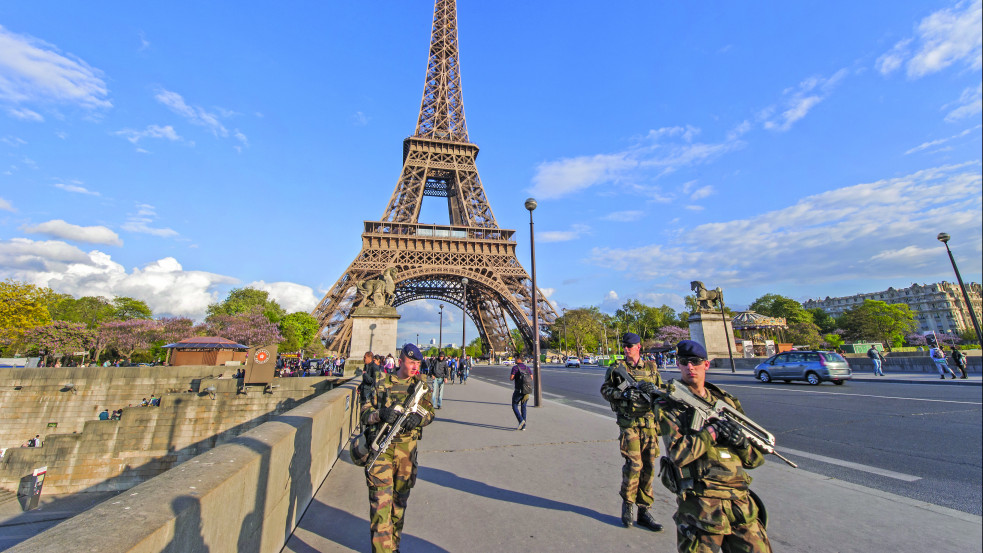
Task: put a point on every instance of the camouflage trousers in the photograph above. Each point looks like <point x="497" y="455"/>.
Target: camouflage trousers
<point x="640" y="449"/>
<point x="390" y="481"/>
<point x="705" y="525"/>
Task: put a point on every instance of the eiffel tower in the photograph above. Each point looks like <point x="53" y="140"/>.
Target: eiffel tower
<point x="433" y="260"/>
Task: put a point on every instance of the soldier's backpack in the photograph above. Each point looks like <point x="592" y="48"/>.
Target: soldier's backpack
<point x="525" y="382"/>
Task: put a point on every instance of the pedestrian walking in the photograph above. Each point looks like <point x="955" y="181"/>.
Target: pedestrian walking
<point x="464" y="369"/>
<point x="877" y="358"/>
<point x="706" y="469"/>
<point x="438" y="378"/>
<point x="959" y="358"/>
<point x="393" y="475"/>
<point x="938" y="355"/>
<point x="522" y="377"/>
<point x="638" y="421"/>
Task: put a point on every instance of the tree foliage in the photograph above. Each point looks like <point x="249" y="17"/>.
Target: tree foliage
<point x="242" y="301"/>
<point x="805" y="333"/>
<point x="878" y="321"/>
<point x="252" y="328"/>
<point x="834" y="340"/>
<point x="299" y="331"/>
<point x="823" y="320"/>
<point x="59" y="338"/>
<point x="22" y="308"/>
<point x="672" y="334"/>
<point x="774" y="305"/>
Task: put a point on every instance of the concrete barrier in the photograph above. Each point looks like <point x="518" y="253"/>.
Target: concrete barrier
<point x="245" y="496"/>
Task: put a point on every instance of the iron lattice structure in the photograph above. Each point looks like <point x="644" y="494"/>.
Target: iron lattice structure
<point x="433" y="260"/>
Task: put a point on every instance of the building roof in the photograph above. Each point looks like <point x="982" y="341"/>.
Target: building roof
<point x="206" y="342"/>
<point x="749" y="320"/>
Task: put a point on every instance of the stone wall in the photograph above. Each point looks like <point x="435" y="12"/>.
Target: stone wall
<point x="85" y="454"/>
<point x="244" y="496"/>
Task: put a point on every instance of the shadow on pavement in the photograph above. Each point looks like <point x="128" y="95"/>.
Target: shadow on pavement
<point x="477" y="424"/>
<point x="453" y="481"/>
<point x="352" y="532"/>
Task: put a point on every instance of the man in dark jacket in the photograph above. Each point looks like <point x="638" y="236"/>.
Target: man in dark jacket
<point x="438" y="377"/>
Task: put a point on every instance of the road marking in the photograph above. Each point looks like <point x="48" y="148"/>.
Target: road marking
<point x="855" y="395"/>
<point x="848" y="464"/>
<point x="586" y="403"/>
<point x="548" y="394"/>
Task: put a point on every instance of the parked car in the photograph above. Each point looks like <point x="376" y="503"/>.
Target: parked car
<point x="572" y="362"/>
<point x="587" y="360"/>
<point x="815" y="367"/>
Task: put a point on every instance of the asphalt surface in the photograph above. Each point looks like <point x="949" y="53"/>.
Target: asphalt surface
<point x="910" y="435"/>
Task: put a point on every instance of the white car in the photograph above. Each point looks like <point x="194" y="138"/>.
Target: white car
<point x="572" y="362"/>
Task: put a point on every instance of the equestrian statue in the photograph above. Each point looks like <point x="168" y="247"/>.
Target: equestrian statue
<point x="707" y="298"/>
<point x="378" y="292"/>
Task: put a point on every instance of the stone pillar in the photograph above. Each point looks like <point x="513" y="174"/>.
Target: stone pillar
<point x="707" y="328"/>
<point x="373" y="329"/>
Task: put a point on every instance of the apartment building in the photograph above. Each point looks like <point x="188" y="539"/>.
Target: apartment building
<point x="938" y="307"/>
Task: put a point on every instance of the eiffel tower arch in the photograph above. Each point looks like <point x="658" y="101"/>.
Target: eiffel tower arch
<point x="433" y="260"/>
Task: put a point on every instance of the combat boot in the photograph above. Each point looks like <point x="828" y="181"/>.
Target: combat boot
<point x="627" y="514"/>
<point x="646" y="520"/>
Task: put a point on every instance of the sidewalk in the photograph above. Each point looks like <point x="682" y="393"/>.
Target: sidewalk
<point x="483" y="487"/>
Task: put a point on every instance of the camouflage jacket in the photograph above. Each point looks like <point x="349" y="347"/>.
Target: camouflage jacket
<point x="387" y="391"/>
<point x="709" y="470"/>
<point x="639" y="413"/>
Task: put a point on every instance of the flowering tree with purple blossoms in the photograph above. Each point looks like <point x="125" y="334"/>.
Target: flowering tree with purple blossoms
<point x="671" y="334"/>
<point x="129" y="336"/>
<point x="251" y="329"/>
<point x="915" y="339"/>
<point x="59" y="338"/>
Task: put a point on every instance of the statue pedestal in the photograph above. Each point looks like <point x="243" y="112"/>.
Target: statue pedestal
<point x="373" y="329"/>
<point x="707" y="328"/>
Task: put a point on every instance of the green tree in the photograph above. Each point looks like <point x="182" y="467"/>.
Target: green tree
<point x="520" y="344"/>
<point x="299" y="331"/>
<point x="126" y="308"/>
<point x="89" y="310"/>
<point x="823" y="320"/>
<point x="834" y="340"/>
<point x="804" y="334"/>
<point x="775" y="305"/>
<point x="245" y="300"/>
<point x="879" y="321"/>
<point x="476" y="348"/>
<point x="22" y="307"/>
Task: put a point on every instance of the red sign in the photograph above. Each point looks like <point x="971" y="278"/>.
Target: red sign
<point x="262" y="356"/>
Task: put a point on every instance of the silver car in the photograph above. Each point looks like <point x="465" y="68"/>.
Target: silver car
<point x="815" y="367"/>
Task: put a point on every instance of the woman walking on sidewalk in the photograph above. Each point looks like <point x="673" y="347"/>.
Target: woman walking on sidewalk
<point x="522" y="377"/>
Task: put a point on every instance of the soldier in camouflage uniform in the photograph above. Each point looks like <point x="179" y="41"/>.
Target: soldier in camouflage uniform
<point x="706" y="470"/>
<point x="394" y="474"/>
<point x="639" y="437"/>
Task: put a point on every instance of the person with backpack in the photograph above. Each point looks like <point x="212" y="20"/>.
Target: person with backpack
<point x="938" y="355"/>
<point x="959" y="358"/>
<point x="522" y="377"/>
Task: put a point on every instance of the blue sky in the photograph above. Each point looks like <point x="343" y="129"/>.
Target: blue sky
<point x="173" y="151"/>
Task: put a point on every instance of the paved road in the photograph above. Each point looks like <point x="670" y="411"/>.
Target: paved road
<point x="921" y="441"/>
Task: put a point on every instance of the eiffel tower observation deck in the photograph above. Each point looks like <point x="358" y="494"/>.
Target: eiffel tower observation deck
<point x="433" y="261"/>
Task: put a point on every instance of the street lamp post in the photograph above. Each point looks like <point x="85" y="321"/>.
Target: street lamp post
<point x="537" y="381"/>
<point x="564" y="345"/>
<point x="440" y="336"/>
<point x="944" y="238"/>
<point x="727" y="335"/>
<point x="464" y="322"/>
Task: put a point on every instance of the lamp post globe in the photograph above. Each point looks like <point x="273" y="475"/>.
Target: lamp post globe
<point x="943" y="237"/>
<point x="531" y="204"/>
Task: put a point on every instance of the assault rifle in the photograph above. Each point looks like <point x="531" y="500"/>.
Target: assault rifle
<point x="389" y="431"/>
<point x="678" y="397"/>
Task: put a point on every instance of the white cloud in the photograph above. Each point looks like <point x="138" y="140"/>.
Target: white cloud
<point x="576" y="231"/>
<point x="831" y="236"/>
<point x="547" y="292"/>
<point x="702" y="192"/>
<point x="25" y="114"/>
<point x="33" y="71"/>
<point x="6" y="206"/>
<point x="292" y="297"/>
<point x="624" y="216"/>
<point x="940" y="141"/>
<point x="194" y="114"/>
<point x="164" y="285"/>
<point x="76" y="189"/>
<point x="798" y="101"/>
<point x="970" y="103"/>
<point x="166" y="132"/>
<point x="945" y="37"/>
<point x="659" y="153"/>
<point x="58" y="228"/>
<point x="13" y="141"/>
<point x="359" y="119"/>
<point x="140" y="223"/>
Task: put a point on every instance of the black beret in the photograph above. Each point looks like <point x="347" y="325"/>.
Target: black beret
<point x="689" y="348"/>
<point x="410" y="351"/>
<point x="630" y="339"/>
